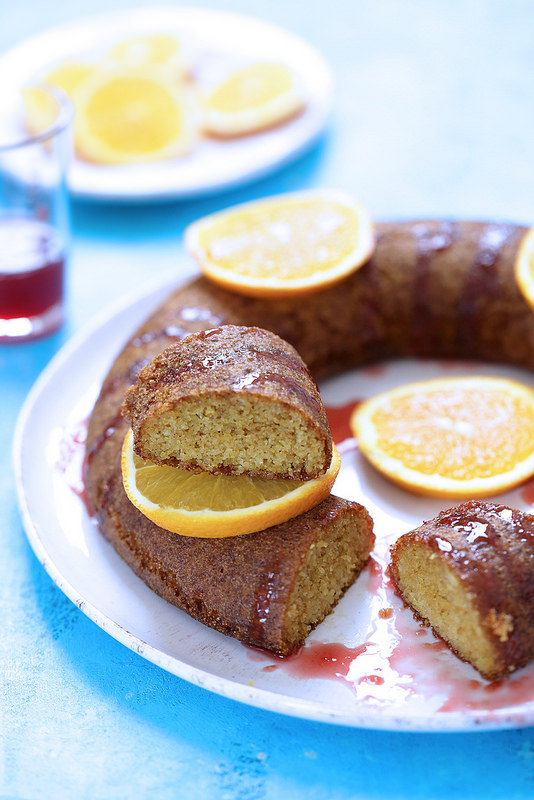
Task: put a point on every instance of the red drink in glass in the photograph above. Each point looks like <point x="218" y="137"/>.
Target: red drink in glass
<point x="32" y="264"/>
<point x="34" y="219"/>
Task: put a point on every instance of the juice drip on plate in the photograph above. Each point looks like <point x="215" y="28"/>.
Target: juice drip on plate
<point x="329" y="660"/>
<point x="70" y="459"/>
<point x="401" y="661"/>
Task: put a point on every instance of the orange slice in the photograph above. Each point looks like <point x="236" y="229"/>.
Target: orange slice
<point x="126" y="116"/>
<point x="524" y="267"/>
<point x="216" y="506"/>
<point x="284" y="245"/>
<point x="68" y="75"/>
<point x="258" y="96"/>
<point x="152" y="49"/>
<point x="451" y="437"/>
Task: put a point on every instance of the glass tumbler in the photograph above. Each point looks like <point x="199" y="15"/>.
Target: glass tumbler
<point x="35" y="145"/>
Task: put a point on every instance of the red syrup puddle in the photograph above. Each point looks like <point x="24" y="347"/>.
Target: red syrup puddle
<point x="493" y="696"/>
<point x="71" y="459"/>
<point x="339" y="419"/>
<point x="401" y="661"/>
<point x="326" y="660"/>
<point x="527" y="493"/>
<point x="323" y="660"/>
<point x="424" y="668"/>
<point x="375" y="575"/>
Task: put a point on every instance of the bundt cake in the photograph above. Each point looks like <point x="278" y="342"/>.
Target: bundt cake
<point x="469" y="573"/>
<point x="431" y="288"/>
<point x="230" y="400"/>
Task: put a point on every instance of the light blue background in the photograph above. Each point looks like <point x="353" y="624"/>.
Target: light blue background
<point x="434" y="117"/>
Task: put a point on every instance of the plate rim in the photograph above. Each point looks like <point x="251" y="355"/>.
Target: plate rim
<point x="364" y="718"/>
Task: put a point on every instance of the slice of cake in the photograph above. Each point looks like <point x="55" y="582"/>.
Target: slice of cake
<point x="338" y="537"/>
<point x="267" y="589"/>
<point x="469" y="573"/>
<point x="230" y="400"/>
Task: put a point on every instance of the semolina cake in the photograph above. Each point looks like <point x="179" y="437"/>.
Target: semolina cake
<point x="432" y="288"/>
<point x="230" y="400"/>
<point x="469" y="573"/>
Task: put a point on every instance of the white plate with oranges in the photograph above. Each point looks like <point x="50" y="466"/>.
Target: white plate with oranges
<point x="177" y="102"/>
<point x="370" y="663"/>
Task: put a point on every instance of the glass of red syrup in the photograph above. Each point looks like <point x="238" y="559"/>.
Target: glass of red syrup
<point x="35" y="144"/>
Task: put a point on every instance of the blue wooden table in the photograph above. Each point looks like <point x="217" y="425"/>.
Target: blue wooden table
<point x="433" y="117"/>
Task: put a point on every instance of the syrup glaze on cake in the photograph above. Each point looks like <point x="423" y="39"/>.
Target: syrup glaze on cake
<point x="469" y="573"/>
<point x="440" y="289"/>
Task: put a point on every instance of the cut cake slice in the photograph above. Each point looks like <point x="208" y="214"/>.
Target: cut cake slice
<point x="230" y="400"/>
<point x="469" y="573"/>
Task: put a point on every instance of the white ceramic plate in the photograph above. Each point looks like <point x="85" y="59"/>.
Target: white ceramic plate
<point x="367" y="665"/>
<point x="220" y="41"/>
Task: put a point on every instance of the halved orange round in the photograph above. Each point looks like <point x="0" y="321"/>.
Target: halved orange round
<point x="217" y="506"/>
<point x="283" y="245"/>
<point x="126" y="116"/>
<point x="462" y="437"/>
<point x="524" y="267"/>
<point x="257" y="96"/>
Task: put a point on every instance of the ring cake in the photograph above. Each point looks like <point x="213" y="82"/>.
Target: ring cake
<point x="440" y="289"/>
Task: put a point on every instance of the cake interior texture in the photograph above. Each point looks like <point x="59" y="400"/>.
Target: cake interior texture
<point x="333" y="562"/>
<point x="230" y="400"/>
<point x="233" y="434"/>
<point x="438" y="596"/>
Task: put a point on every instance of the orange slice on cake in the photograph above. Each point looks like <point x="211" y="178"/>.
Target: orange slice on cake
<point x="284" y="245"/>
<point x="252" y="98"/>
<point x="216" y="506"/>
<point x="462" y="438"/>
